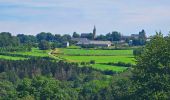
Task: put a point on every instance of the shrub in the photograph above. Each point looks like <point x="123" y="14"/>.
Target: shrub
<point x="92" y="62"/>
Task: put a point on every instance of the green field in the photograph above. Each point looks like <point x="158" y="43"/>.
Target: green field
<point x="100" y="59"/>
<point x="11" y="58"/>
<point x="35" y="52"/>
<point x="96" y="52"/>
<point x="108" y="67"/>
<point x="100" y="56"/>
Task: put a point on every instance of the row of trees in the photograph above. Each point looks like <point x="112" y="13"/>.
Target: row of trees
<point x="57" y="40"/>
<point x="21" y="42"/>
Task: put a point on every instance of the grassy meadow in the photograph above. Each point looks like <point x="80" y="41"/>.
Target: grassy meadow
<point x="34" y="52"/>
<point x="93" y="52"/>
<point x="100" y="57"/>
<point x="11" y="58"/>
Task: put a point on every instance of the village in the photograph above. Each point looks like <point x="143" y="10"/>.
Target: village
<point x="132" y="40"/>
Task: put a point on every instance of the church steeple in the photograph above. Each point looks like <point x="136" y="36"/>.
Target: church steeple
<point x="94" y="32"/>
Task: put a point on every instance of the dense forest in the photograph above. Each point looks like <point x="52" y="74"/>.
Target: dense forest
<point x="48" y="79"/>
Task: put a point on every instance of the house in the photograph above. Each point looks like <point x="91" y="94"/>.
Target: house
<point x="79" y="39"/>
<point x="101" y="43"/>
<point x="95" y="43"/>
<point x="66" y="44"/>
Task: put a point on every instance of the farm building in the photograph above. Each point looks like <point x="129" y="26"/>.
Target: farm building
<point x="79" y="39"/>
<point x="95" y="43"/>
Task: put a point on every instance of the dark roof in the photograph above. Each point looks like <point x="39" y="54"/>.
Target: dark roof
<point x="84" y="34"/>
<point x="79" y="39"/>
<point x="100" y="42"/>
<point x="95" y="42"/>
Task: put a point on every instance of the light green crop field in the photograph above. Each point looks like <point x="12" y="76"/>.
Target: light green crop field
<point x="100" y="56"/>
<point x="108" y="67"/>
<point x="11" y="58"/>
<point x="96" y="52"/>
<point x="34" y="52"/>
<point x="100" y="59"/>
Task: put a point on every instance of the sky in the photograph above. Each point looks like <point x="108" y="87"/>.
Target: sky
<point x="68" y="16"/>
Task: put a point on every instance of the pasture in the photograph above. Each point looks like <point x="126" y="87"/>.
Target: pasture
<point x="35" y="53"/>
<point x="99" y="56"/>
<point x="92" y="52"/>
<point x="11" y="58"/>
<point x="100" y="59"/>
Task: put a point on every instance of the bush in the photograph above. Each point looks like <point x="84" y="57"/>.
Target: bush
<point x="92" y="62"/>
<point x="82" y="63"/>
<point x="120" y="64"/>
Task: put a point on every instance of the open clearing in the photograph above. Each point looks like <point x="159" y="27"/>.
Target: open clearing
<point x="100" y="56"/>
<point x="35" y="52"/>
<point x="100" y="59"/>
<point x="96" y="52"/>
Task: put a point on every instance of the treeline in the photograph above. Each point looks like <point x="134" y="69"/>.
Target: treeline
<point x="46" y="40"/>
<point x="33" y="67"/>
<point x="9" y="43"/>
<point x="21" y="42"/>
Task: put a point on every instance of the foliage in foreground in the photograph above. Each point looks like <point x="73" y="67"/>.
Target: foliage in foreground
<point x="151" y="76"/>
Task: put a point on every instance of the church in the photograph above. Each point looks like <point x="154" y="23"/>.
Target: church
<point x="86" y="35"/>
<point x="84" y="41"/>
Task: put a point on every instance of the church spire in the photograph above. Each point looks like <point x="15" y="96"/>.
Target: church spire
<point x="94" y="32"/>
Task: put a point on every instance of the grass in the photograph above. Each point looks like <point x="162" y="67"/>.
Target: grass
<point x="35" y="52"/>
<point x="100" y="56"/>
<point x="11" y="58"/>
<point x="100" y="59"/>
<point x="108" y="67"/>
<point x="96" y="52"/>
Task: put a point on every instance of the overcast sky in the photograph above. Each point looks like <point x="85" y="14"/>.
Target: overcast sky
<point x="67" y="16"/>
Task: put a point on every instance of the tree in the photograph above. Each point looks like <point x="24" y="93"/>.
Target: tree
<point x="6" y="40"/>
<point x="151" y="74"/>
<point x="75" y="35"/>
<point x="7" y="90"/>
<point x="45" y="88"/>
<point x="44" y="45"/>
<point x="66" y="37"/>
<point x="45" y="36"/>
<point x="101" y="37"/>
<point x="57" y="38"/>
<point x="92" y="61"/>
<point x="114" y="36"/>
<point x="27" y="38"/>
